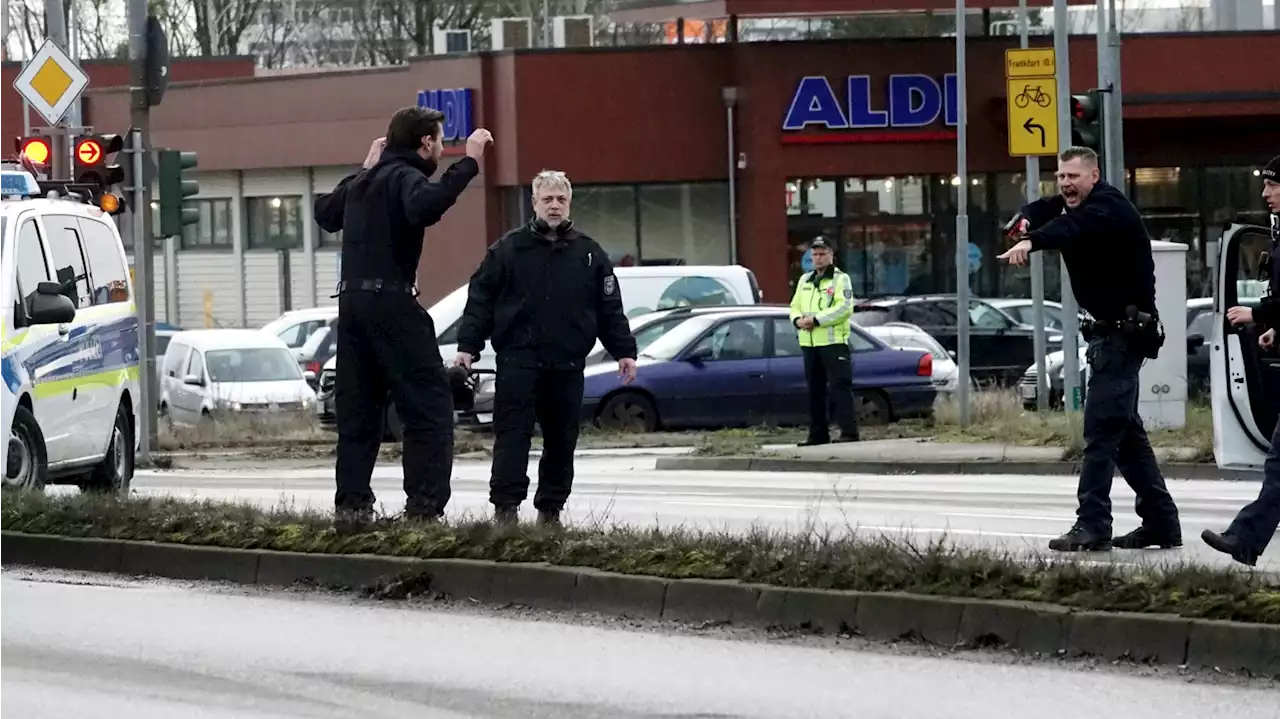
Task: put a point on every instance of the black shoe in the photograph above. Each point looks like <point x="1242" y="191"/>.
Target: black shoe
<point x="423" y="515"/>
<point x="813" y="442"/>
<point x="1144" y="537"/>
<point x="506" y="515"/>
<point x="352" y="520"/>
<point x="549" y="518"/>
<point x="1228" y="544"/>
<point x="1080" y="539"/>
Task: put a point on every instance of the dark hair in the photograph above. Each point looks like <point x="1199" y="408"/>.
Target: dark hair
<point x="1076" y="151"/>
<point x="409" y="125"/>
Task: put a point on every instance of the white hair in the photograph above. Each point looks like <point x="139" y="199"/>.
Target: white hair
<point x="552" y="180"/>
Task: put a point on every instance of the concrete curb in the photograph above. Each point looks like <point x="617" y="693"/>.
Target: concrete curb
<point x="1171" y="470"/>
<point x="891" y="616"/>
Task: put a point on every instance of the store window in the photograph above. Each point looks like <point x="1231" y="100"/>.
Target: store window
<point x="608" y="214"/>
<point x="213" y="231"/>
<point x="1169" y="200"/>
<point x="886" y="243"/>
<point x="1233" y="194"/>
<point x="274" y="223"/>
<point x="684" y="224"/>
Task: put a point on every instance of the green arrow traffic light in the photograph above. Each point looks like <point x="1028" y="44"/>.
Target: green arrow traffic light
<point x="1086" y="120"/>
<point x="174" y="215"/>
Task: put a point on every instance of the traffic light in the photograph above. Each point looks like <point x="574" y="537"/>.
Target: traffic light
<point x="1086" y="120"/>
<point x="38" y="150"/>
<point x="174" y="215"/>
<point x="89" y="160"/>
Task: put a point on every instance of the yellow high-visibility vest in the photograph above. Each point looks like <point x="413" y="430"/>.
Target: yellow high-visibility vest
<point x="828" y="298"/>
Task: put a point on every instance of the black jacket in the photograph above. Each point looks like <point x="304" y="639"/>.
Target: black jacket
<point x="544" y="301"/>
<point x="1267" y="313"/>
<point x="1105" y="246"/>
<point x="384" y="210"/>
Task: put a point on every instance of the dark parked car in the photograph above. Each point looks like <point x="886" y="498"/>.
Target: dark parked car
<point x="743" y="368"/>
<point x="1000" y="347"/>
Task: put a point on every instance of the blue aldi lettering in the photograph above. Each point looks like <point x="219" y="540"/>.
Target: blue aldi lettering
<point x="456" y="106"/>
<point x="914" y="101"/>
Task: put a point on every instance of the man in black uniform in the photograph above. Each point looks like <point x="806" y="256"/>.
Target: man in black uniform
<point x="543" y="294"/>
<point x="1252" y="529"/>
<point x="386" y="340"/>
<point x="1108" y="256"/>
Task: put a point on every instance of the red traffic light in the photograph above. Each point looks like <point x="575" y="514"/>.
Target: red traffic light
<point x="36" y="149"/>
<point x="89" y="151"/>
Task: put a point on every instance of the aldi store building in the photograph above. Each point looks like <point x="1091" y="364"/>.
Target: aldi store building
<point x="694" y="154"/>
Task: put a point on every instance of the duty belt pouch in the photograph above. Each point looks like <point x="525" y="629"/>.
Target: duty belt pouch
<point x="1144" y="331"/>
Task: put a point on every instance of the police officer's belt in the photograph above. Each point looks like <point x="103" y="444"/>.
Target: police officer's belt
<point x="377" y="286"/>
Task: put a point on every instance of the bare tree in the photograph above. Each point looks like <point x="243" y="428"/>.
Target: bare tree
<point x="220" y="24"/>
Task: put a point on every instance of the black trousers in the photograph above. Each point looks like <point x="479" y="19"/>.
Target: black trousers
<point x="829" y="373"/>
<point x="1115" y="439"/>
<point x="1256" y="524"/>
<point x="552" y="398"/>
<point x="387" y="344"/>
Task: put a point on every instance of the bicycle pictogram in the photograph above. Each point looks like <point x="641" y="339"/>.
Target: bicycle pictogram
<point x="1032" y="94"/>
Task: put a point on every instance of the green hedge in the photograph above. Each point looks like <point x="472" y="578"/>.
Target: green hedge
<point x="789" y="560"/>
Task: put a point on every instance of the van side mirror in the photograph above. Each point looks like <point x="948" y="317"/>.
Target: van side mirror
<point x="193" y="379"/>
<point x="309" y="375"/>
<point x="48" y="306"/>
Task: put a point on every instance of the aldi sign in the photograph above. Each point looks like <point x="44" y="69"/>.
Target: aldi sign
<point x="456" y="106"/>
<point x="912" y="102"/>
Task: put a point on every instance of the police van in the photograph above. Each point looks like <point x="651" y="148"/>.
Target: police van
<point x="69" y="336"/>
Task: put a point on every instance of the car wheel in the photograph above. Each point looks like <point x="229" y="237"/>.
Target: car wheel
<point x="394" y="430"/>
<point x="872" y="409"/>
<point x="115" y="473"/>
<point x="628" y="412"/>
<point x="27" y="464"/>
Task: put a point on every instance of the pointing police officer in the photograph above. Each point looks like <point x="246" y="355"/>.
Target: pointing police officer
<point x="1252" y="529"/>
<point x="821" y="310"/>
<point x="386" y="340"/>
<point x="1112" y="273"/>
<point x="543" y="294"/>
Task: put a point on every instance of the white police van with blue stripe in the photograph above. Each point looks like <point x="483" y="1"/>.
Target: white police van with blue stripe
<point x="69" y="341"/>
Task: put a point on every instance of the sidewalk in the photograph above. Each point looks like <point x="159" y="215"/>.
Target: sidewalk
<point x="926" y="456"/>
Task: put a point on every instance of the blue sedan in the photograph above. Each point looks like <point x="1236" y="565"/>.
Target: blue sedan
<point x="744" y="368"/>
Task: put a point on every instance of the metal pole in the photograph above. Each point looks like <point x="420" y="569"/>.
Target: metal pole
<point x="1114" y="104"/>
<point x="143" y="244"/>
<point x="730" y="95"/>
<point x="74" y="116"/>
<point x="1037" y="258"/>
<point x="962" y="217"/>
<point x="1071" y="320"/>
<point x="60" y="153"/>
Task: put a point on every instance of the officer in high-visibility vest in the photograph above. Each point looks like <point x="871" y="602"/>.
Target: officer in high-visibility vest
<point x="821" y="311"/>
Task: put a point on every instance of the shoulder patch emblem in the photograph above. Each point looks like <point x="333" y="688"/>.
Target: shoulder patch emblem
<point x="610" y="285"/>
<point x="848" y="294"/>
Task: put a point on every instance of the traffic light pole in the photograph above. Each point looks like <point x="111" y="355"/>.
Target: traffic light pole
<point x="1070" y="311"/>
<point x="143" y="245"/>
<point x="59" y="135"/>
<point x="1109" y="80"/>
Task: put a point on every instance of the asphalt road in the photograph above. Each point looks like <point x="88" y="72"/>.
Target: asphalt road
<point x="1017" y="512"/>
<point x="118" y="648"/>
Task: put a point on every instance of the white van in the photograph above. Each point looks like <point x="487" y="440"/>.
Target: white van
<point x="1244" y="382"/>
<point x="211" y="374"/>
<point x="69" y="342"/>
<point x="644" y="290"/>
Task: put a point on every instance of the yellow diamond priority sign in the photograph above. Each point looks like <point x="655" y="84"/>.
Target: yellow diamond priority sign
<point x="51" y="82"/>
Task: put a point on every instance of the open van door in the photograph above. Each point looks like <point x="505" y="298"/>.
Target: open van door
<point x="1244" y="381"/>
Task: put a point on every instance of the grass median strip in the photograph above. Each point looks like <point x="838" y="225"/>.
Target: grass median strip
<point x="813" y="560"/>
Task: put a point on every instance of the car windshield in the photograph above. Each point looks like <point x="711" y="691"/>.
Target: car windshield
<point x="677" y="338"/>
<point x="252" y="364"/>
